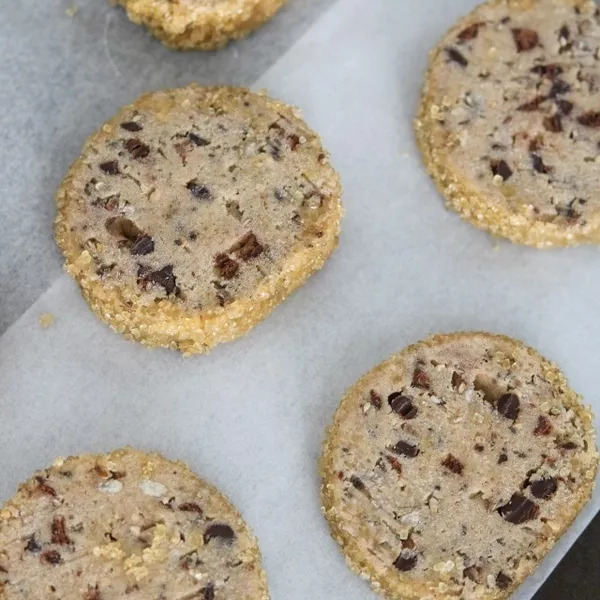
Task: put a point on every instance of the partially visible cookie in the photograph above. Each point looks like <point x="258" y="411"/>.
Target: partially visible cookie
<point x="125" y="525"/>
<point x="200" y="24"/>
<point x="451" y="469"/>
<point x="193" y="212"/>
<point x="509" y="118"/>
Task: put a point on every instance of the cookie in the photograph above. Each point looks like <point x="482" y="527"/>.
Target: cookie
<point x="193" y="212"/>
<point x="451" y="469"/>
<point x="199" y="24"/>
<point x="509" y="118"/>
<point x="125" y="525"/>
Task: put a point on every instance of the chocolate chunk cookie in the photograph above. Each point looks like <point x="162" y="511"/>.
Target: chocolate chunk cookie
<point x="509" y="123"/>
<point x="193" y="212"/>
<point x="125" y="525"/>
<point x="451" y="469"/>
<point x="199" y="24"/>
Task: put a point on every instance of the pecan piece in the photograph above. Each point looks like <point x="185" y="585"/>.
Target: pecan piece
<point x="469" y="33"/>
<point x="553" y="124"/>
<point x="543" y="426"/>
<point x="225" y="266"/>
<point x="532" y="105"/>
<point x="59" y="531"/>
<point x="50" y="557"/>
<point x="190" y="507"/>
<point x="453" y="464"/>
<point x="420" y="379"/>
<point x="248" y="247"/>
<point x="43" y="487"/>
<point x="590" y="118"/>
<point x="525" y="39"/>
<point x="375" y="399"/>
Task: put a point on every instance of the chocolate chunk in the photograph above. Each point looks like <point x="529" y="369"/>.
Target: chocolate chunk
<point x="469" y="33"/>
<point x="136" y="148"/>
<point x="406" y="449"/>
<point x="208" y="592"/>
<point x="225" y="266"/>
<point x="508" y="406"/>
<point x="479" y="447"/>
<point x="455" y="56"/>
<point x="50" y="557"/>
<point x="564" y="106"/>
<point x="190" y="507"/>
<point x="500" y="167"/>
<point x="248" y="247"/>
<point x="564" y="33"/>
<point x="457" y="380"/>
<point x="163" y="277"/>
<point x="550" y="71"/>
<point x="543" y="426"/>
<point x="218" y="530"/>
<point x="420" y="379"/>
<point x="111" y="167"/>
<point x="131" y="126"/>
<point x="532" y="105"/>
<point x="198" y="190"/>
<point x="569" y="446"/>
<point x="375" y="399"/>
<point x="402" y="405"/>
<point x="519" y="510"/>
<point x="525" y="39"/>
<point x="559" y="87"/>
<point x="43" y="487"/>
<point x="143" y="245"/>
<point x="590" y="119"/>
<point x="406" y="562"/>
<point x="196" y="139"/>
<point x="32" y="545"/>
<point x="538" y="164"/>
<point x="553" y="124"/>
<point x="473" y="573"/>
<point x="59" y="531"/>
<point x="357" y="483"/>
<point x="502" y="458"/>
<point x="544" y="488"/>
<point x="503" y="581"/>
<point x="293" y="140"/>
<point x="453" y="464"/>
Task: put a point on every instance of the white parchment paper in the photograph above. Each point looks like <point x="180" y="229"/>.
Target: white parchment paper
<point x="250" y="417"/>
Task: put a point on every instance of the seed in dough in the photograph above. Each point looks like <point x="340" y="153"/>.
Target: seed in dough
<point x="194" y="212"/>
<point x="69" y="534"/>
<point x="508" y="120"/>
<point x="464" y="499"/>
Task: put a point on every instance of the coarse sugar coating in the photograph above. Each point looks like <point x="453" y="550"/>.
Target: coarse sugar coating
<point x="451" y="469"/>
<point x="199" y="24"/>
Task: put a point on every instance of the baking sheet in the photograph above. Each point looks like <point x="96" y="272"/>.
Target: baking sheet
<point x="250" y="416"/>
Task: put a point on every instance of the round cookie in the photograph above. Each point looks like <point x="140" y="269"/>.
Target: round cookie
<point x="193" y="212"/>
<point x="125" y="525"/>
<point x="451" y="469"/>
<point x="200" y="24"/>
<point x="509" y="118"/>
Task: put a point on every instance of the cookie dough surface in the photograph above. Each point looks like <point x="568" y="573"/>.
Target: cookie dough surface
<point x="125" y="525"/>
<point x="194" y="211"/>
<point x="200" y="24"/>
<point x="509" y="123"/>
<point x="451" y="469"/>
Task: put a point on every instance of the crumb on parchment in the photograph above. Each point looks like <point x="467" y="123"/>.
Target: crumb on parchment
<point x="46" y="320"/>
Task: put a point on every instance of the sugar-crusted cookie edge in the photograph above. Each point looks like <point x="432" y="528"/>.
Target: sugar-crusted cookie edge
<point x="166" y="324"/>
<point x="499" y="220"/>
<point x="405" y="588"/>
<point x="210" y="30"/>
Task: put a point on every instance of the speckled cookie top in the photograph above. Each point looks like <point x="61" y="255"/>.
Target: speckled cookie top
<point x="512" y="95"/>
<point x="451" y="469"/>
<point x="196" y="195"/>
<point x="125" y="525"/>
